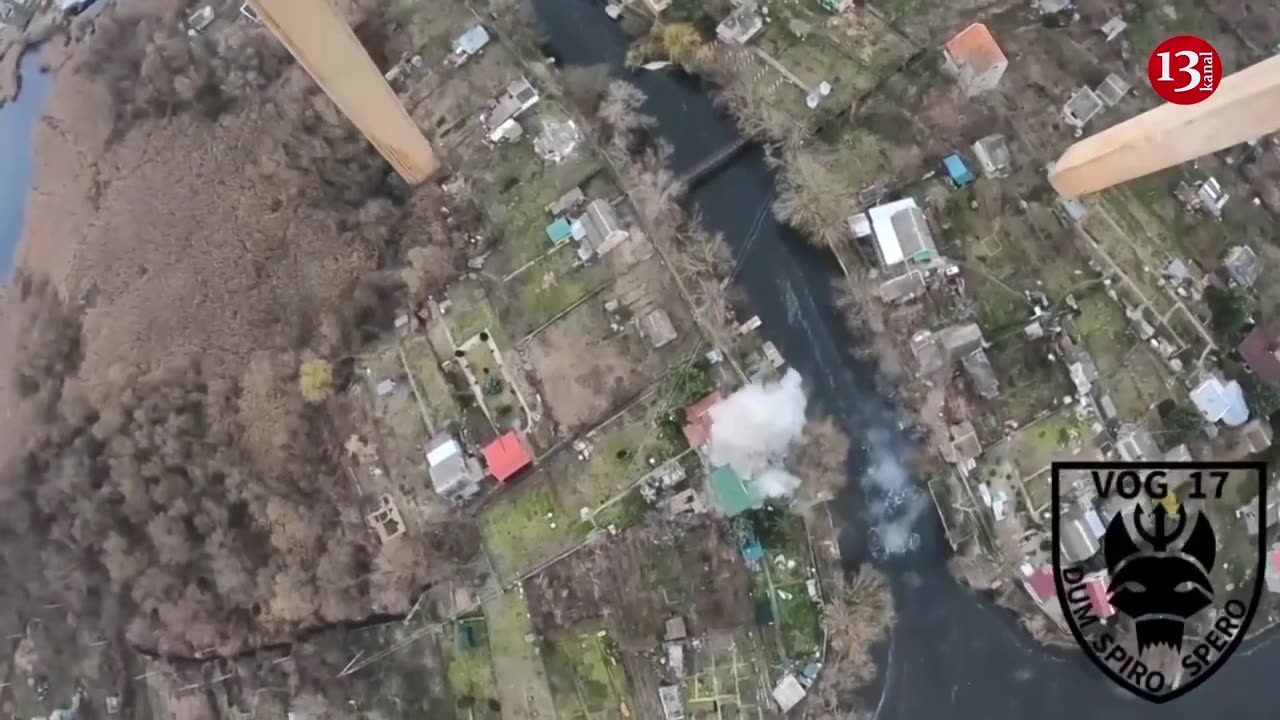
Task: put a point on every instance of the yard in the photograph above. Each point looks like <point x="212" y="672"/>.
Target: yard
<point x="398" y="419"/>
<point x="523" y="691"/>
<point x="586" y="677"/>
<point x="548" y="286"/>
<point x="465" y="645"/>
<point x="470" y="312"/>
<point x="436" y="391"/>
<point x="1058" y="437"/>
<point x="1133" y="377"/>
<point x="528" y="525"/>
<point x="514" y="189"/>
<point x="581" y="389"/>
<point x="727" y="677"/>
<point x="621" y="453"/>
<point x="497" y="392"/>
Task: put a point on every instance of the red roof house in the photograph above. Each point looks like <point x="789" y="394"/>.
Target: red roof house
<point x="506" y="456"/>
<point x="1096" y="584"/>
<point x="1040" y="584"/>
<point x="1261" y="349"/>
<point x="697" y="427"/>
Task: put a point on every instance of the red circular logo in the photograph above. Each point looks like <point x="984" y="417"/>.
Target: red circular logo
<point x="1184" y="70"/>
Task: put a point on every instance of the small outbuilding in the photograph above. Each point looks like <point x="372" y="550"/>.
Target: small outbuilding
<point x="975" y="58"/>
<point x="957" y="171"/>
<point x="506" y="456"/>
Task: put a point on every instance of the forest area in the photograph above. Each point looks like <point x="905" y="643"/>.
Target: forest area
<point x="171" y="484"/>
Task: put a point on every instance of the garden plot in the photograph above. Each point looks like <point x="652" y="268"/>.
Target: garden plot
<point x="523" y="691"/>
<point x="582" y="388"/>
<point x="585" y="674"/>
<point x="527" y="526"/>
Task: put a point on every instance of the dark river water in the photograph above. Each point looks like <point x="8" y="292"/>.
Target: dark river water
<point x="17" y="122"/>
<point x="953" y="653"/>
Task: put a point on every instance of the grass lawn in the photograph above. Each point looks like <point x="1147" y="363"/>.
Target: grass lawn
<point x="1053" y="438"/>
<point x="619" y="456"/>
<point x="470" y="669"/>
<point x="1133" y="377"/>
<point x="523" y="689"/>
<point x="584" y="674"/>
<point x="499" y="396"/>
<point x="547" y="287"/>
<point x="527" y="526"/>
<point x="431" y="381"/>
<point x="471" y="312"/>
<point x="518" y="186"/>
<point x="628" y="510"/>
<point x="1031" y="384"/>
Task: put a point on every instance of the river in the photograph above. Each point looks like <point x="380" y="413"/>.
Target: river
<point x="17" y="123"/>
<point x="953" y="653"/>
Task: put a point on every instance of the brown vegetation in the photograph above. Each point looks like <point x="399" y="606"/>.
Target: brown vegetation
<point x="821" y="460"/>
<point x="858" y="618"/>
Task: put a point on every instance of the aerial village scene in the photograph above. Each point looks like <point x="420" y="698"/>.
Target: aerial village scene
<point x="623" y="484"/>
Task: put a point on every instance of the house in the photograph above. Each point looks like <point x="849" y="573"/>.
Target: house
<point x="1261" y="351"/>
<point x="697" y="419"/>
<point x="1242" y="265"/>
<point x="1220" y="401"/>
<point x="1073" y="210"/>
<point x="567" y="202"/>
<point x="982" y="376"/>
<point x="506" y="456"/>
<point x="454" y="476"/>
<point x="1256" y="435"/>
<point x="669" y="695"/>
<point x="598" y="227"/>
<point x="250" y="13"/>
<point x="975" y="58"/>
<point x="657" y="6"/>
<point x="957" y="172"/>
<point x="557" y="141"/>
<point x="1113" y="89"/>
<point x="1212" y="197"/>
<point x="1096" y="584"/>
<point x="469" y="43"/>
<point x="788" y="692"/>
<point x="741" y="25"/>
<point x="902" y="234"/>
<point x="1112" y="28"/>
<point x="559" y="232"/>
<point x="965" y="447"/>
<point x="1273" y="569"/>
<point x="1136" y="443"/>
<point x="993" y="156"/>
<point x="731" y="493"/>
<point x="656" y="327"/>
<point x="960" y="341"/>
<point x="1078" y="540"/>
<point x="518" y="97"/>
<point x="1081" y="108"/>
<point x="676" y="630"/>
<point x="903" y="288"/>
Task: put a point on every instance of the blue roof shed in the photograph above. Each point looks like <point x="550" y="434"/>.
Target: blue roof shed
<point x="957" y="170"/>
<point x="559" y="231"/>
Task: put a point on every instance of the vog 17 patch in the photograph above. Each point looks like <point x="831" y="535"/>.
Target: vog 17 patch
<point x="1159" y="566"/>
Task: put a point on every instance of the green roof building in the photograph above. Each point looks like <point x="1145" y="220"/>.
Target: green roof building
<point x="731" y="493"/>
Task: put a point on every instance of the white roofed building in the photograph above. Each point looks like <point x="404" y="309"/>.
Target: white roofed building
<point x="901" y="234"/>
<point x="454" y="476"/>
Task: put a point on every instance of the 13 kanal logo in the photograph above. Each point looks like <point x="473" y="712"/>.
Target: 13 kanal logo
<point x="1184" y="70"/>
<point x="1159" y="566"/>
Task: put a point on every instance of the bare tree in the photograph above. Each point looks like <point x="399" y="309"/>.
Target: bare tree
<point x="813" y="198"/>
<point x="858" y="617"/>
<point x="585" y="86"/>
<point x="620" y="114"/>
<point x="821" y="461"/>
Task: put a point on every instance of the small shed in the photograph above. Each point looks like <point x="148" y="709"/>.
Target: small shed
<point x="788" y="693"/>
<point x="559" y="231"/>
<point x="1081" y="107"/>
<point x="1113" y="89"/>
<point x="676" y="629"/>
<point x="1220" y="401"/>
<point x="471" y="42"/>
<point x="992" y="153"/>
<point x="975" y="58"/>
<point x="957" y="171"/>
<point x="656" y="327"/>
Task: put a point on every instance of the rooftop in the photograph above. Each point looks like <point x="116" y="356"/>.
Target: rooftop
<point x="731" y="493"/>
<point x="1242" y="265"/>
<point x="1040" y="584"/>
<point x="1261" y="350"/>
<point x="506" y="456"/>
<point x="1096" y="584"/>
<point x="975" y="49"/>
<point x="697" y="428"/>
<point x="1221" y="401"/>
<point x="901" y="232"/>
<point x="471" y="41"/>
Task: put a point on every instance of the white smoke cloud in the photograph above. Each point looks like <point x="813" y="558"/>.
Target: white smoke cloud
<point x="752" y="429"/>
<point x="894" y="503"/>
<point x="777" y="483"/>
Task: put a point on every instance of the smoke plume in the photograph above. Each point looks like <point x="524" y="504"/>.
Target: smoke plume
<point x="893" y="502"/>
<point x="753" y="429"/>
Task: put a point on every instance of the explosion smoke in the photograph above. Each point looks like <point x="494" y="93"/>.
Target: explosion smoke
<point x="753" y="428"/>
